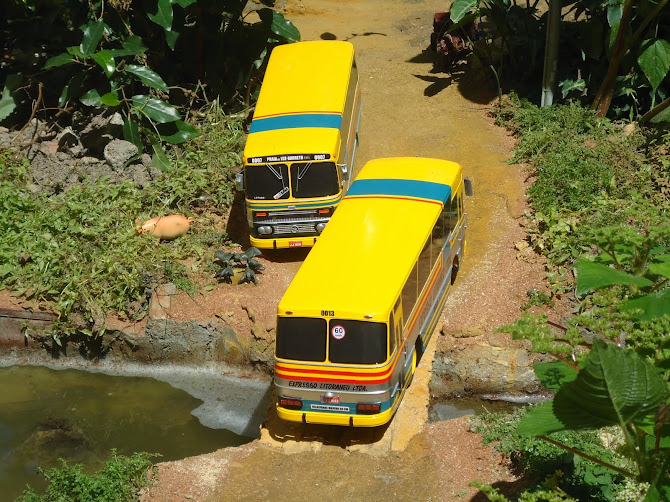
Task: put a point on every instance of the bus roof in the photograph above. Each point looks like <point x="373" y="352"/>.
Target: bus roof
<point x="304" y="91"/>
<point x="361" y="261"/>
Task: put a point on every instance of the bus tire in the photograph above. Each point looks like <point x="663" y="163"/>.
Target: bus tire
<point x="454" y="271"/>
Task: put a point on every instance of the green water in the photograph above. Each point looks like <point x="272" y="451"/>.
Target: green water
<point x="79" y="416"/>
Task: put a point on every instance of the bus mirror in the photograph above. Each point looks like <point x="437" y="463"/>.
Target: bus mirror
<point x="239" y="181"/>
<point x="345" y="171"/>
<point x="468" y="186"/>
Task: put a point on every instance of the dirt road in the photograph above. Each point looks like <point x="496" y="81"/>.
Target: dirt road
<point x="408" y="110"/>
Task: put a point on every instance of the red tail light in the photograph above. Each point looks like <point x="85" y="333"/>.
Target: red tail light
<point x="261" y="215"/>
<point x="290" y="403"/>
<point x="368" y="408"/>
<point x="324" y="211"/>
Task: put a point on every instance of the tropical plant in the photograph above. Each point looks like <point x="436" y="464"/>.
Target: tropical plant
<point x="125" y="61"/>
<point x="228" y="261"/>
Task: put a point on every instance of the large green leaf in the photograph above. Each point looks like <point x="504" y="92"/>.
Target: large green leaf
<point x="554" y="374"/>
<point x="616" y="386"/>
<point x="148" y="77"/>
<point x="655" y="61"/>
<point x="93" y="32"/>
<point x="279" y="25"/>
<point x="91" y="98"/>
<point x="160" y="160"/>
<point x="171" y="38"/>
<point x="183" y="3"/>
<point x="156" y="109"/>
<point x="591" y="276"/>
<point x="177" y="132"/>
<point x="106" y="61"/>
<point x="134" y="45"/>
<point x="110" y="99"/>
<point x="460" y="8"/>
<point x="60" y="60"/>
<point x="163" y="16"/>
<point x="131" y="133"/>
<point x="660" y="266"/>
<point x="653" y="305"/>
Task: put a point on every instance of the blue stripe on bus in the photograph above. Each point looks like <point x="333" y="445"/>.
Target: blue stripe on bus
<point x="403" y="188"/>
<point x="293" y="206"/>
<point x="327" y="120"/>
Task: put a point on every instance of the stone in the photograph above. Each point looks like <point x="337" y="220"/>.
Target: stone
<point x="118" y="152"/>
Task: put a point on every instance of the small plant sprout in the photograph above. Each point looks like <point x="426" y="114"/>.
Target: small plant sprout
<point x="229" y="261"/>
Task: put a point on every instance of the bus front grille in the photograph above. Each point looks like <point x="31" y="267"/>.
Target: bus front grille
<point x="295" y="228"/>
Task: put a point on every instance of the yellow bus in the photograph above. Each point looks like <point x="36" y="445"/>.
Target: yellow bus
<point x="300" y="152"/>
<point x="364" y="304"/>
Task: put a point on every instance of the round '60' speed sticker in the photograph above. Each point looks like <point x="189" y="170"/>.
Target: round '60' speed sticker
<point x="338" y="332"/>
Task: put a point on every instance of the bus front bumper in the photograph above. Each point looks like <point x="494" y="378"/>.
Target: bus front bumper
<point x="282" y="243"/>
<point x="315" y="417"/>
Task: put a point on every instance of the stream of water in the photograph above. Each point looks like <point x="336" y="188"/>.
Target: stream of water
<point x="46" y="414"/>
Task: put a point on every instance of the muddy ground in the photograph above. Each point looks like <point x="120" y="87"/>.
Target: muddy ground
<point x="410" y="108"/>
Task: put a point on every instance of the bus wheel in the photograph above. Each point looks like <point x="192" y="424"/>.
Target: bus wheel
<point x="454" y="271"/>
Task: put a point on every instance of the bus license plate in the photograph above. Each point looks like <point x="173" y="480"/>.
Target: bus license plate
<point x="294" y="244"/>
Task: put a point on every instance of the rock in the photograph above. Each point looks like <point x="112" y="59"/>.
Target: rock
<point x="101" y="130"/>
<point x="118" y="151"/>
<point x="66" y="138"/>
<point x="482" y="368"/>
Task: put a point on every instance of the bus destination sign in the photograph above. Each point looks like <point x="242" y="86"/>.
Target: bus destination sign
<point x="298" y="157"/>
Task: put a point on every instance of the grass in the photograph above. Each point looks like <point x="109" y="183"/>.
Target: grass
<point x="84" y="261"/>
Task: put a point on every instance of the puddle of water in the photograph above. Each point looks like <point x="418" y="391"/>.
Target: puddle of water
<point x="460" y="407"/>
<point x="80" y="416"/>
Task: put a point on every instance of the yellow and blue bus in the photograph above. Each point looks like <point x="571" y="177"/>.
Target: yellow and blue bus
<point x="364" y="304"/>
<point x="300" y="152"/>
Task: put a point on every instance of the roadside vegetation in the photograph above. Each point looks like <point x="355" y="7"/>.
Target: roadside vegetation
<point x="600" y="213"/>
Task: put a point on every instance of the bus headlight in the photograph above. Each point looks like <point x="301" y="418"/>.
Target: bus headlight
<point x="320" y="227"/>
<point x="264" y="230"/>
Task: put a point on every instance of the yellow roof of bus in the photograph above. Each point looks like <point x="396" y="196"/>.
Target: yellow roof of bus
<point x="306" y="77"/>
<point x="361" y="261"/>
<point x="302" y="79"/>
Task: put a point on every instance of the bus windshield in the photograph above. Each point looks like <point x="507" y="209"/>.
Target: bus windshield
<point x="301" y="338"/>
<point x="314" y="179"/>
<point x="267" y="182"/>
<point x="357" y="342"/>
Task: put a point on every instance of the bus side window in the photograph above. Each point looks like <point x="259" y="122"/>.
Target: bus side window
<point x="460" y="207"/>
<point x="453" y="214"/>
<point x="409" y="294"/>
<point x="425" y="265"/>
<point x="391" y="334"/>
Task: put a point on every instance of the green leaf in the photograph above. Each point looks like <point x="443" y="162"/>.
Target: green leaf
<point x="131" y="133"/>
<point x="177" y="132"/>
<point x="160" y="160"/>
<point x="106" y="60"/>
<point x="163" y="16"/>
<point x="72" y="89"/>
<point x="655" y="61"/>
<point x="460" y="8"/>
<point x="91" y="98"/>
<point x="279" y="25"/>
<point x="92" y="34"/>
<point x="171" y="38"/>
<point x="60" y="60"/>
<point x="653" y="306"/>
<point x="134" y="45"/>
<point x="110" y="99"/>
<point x="75" y="50"/>
<point x="568" y="86"/>
<point x="156" y="109"/>
<point x="661" y="268"/>
<point x="7" y="103"/>
<point x="183" y="3"/>
<point x="591" y="276"/>
<point x="554" y="374"/>
<point x="615" y="387"/>
<point x="614" y="12"/>
<point x="148" y="77"/>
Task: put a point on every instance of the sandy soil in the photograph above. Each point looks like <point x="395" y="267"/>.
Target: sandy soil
<point x="410" y="108"/>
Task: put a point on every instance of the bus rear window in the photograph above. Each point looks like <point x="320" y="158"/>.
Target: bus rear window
<point x="357" y="342"/>
<point x="267" y="182"/>
<point x="301" y="338"/>
<point x="314" y="179"/>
